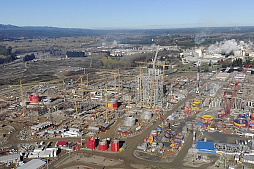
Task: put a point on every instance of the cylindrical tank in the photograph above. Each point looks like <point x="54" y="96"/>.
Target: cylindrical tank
<point x="146" y="115"/>
<point x="241" y="122"/>
<point x="154" y="133"/>
<point x="91" y="143"/>
<point x="112" y="104"/>
<point x="129" y="121"/>
<point x="34" y="98"/>
<point x="252" y="116"/>
<point x="114" y="145"/>
<point x="103" y="145"/>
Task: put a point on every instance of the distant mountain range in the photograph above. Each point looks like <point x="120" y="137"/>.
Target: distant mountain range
<point x="11" y="32"/>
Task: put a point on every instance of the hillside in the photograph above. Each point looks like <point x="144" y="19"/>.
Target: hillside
<point x="10" y="32"/>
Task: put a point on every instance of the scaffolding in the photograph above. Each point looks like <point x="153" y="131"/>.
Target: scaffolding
<point x="150" y="89"/>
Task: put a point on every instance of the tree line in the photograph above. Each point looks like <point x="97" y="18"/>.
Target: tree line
<point x="6" y="54"/>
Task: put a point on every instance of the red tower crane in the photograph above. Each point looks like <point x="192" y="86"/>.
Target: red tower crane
<point x="228" y="107"/>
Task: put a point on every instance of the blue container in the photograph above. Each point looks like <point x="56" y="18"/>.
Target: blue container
<point x="205" y="145"/>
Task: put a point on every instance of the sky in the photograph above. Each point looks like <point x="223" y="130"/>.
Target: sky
<point x="127" y="14"/>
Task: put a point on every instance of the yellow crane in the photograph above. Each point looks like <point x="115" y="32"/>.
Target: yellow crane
<point x="75" y="101"/>
<point x="151" y="97"/>
<point x="114" y="78"/>
<point x="81" y="83"/>
<point x="28" y="84"/>
<point x="91" y="90"/>
<point x="106" y="106"/>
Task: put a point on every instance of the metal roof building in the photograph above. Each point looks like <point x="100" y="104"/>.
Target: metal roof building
<point x="33" y="164"/>
<point x="8" y="157"/>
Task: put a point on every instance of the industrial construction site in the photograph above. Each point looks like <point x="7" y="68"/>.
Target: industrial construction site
<point x="149" y="116"/>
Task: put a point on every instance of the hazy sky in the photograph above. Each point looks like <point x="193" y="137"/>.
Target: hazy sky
<point x="107" y="14"/>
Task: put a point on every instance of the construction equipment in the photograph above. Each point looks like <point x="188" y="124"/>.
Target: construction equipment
<point x="151" y="80"/>
<point x="156" y="54"/>
<point x="227" y="106"/>
<point x="75" y="101"/>
<point x="114" y="78"/>
<point x="246" y="68"/>
<point x="28" y="84"/>
<point x="166" y="127"/>
<point x="91" y="90"/>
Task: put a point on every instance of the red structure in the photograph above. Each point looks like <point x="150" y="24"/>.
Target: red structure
<point x="252" y="116"/>
<point x="34" y="98"/>
<point x="229" y="106"/>
<point x="91" y="143"/>
<point x="62" y="143"/>
<point x="114" y="145"/>
<point x="112" y="104"/>
<point x="103" y="145"/>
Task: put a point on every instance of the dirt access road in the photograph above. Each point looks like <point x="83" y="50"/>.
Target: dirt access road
<point x="128" y="157"/>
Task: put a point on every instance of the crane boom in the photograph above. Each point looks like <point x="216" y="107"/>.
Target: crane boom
<point x="156" y="54"/>
<point x="246" y="68"/>
<point x="228" y="107"/>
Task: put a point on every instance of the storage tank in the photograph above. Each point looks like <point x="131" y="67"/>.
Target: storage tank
<point x="34" y="98"/>
<point x="251" y="124"/>
<point x="129" y="121"/>
<point x="241" y="122"/>
<point x="114" y="145"/>
<point x="112" y="104"/>
<point x="103" y="145"/>
<point x="91" y="143"/>
<point x="146" y="115"/>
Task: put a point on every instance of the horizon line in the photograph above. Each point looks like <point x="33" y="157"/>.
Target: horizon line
<point x="160" y="27"/>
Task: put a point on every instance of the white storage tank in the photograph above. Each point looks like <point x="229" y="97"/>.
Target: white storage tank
<point x="129" y="121"/>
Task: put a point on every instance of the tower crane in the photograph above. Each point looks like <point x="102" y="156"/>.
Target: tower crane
<point x="115" y="80"/>
<point x="156" y="54"/>
<point x="229" y="106"/>
<point x="91" y="90"/>
<point x="21" y="85"/>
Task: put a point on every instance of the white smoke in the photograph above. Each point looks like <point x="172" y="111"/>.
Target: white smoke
<point x="227" y="46"/>
<point x="200" y="37"/>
